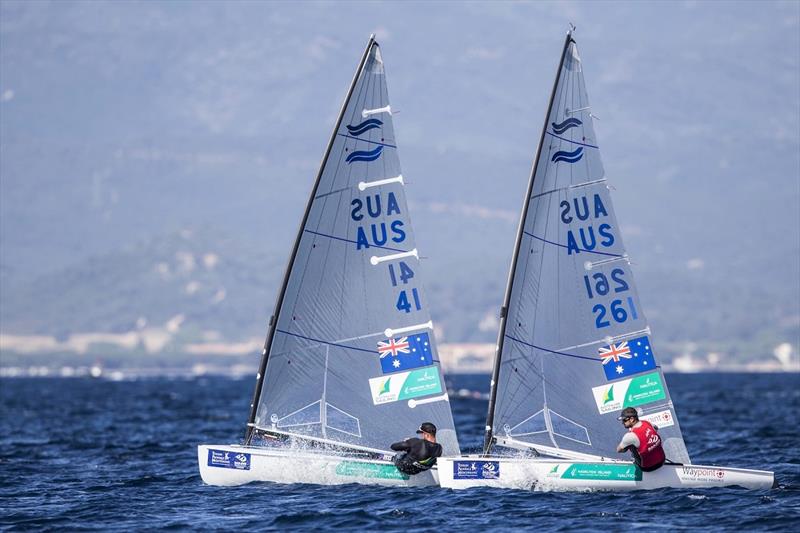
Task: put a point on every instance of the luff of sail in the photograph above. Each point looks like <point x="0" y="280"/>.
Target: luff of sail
<point x="351" y="356"/>
<point x="574" y="346"/>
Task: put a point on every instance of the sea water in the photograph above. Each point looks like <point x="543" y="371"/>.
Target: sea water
<point x="80" y="453"/>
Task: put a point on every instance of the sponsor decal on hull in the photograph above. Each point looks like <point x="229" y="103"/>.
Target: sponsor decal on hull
<point x="629" y="393"/>
<point x="661" y="419"/>
<point x="694" y="473"/>
<point x="225" y="459"/>
<point x="369" y="470"/>
<point x="596" y="472"/>
<point x="476" y="469"/>
<point x="405" y="385"/>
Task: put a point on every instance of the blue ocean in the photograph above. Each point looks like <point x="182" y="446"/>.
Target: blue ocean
<point x="91" y="454"/>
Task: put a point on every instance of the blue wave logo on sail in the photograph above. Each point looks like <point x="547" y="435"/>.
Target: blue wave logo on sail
<point x="563" y="126"/>
<point x="364" y="155"/>
<point x="365" y="126"/>
<point x="568" y="157"/>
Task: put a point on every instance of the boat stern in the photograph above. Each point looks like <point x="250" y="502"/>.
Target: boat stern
<point x="228" y="465"/>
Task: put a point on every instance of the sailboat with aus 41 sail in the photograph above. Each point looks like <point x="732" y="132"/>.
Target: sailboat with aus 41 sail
<point x="350" y="364"/>
<point x="574" y="347"/>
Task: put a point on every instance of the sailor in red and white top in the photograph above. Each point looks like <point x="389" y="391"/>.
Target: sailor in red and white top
<point x="642" y="440"/>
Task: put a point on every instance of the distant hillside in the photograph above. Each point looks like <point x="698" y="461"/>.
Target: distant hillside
<point x="155" y="158"/>
<point x="219" y="288"/>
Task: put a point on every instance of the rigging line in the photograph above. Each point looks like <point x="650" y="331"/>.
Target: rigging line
<point x="371" y="100"/>
<point x="293" y="256"/>
<point x="557" y="352"/>
<point x="364" y="92"/>
<point x="573" y="142"/>
<point x="363" y="85"/>
<point x="569" y="187"/>
<point x="552" y="351"/>
<point x="354" y="242"/>
<point x="512" y="272"/>
<point x="325" y="342"/>
<point x="528" y="270"/>
<point x="323" y="195"/>
<point x="513" y="399"/>
<point x="564" y="246"/>
<point x="366" y="140"/>
<point x="362" y="82"/>
<point x="336" y="167"/>
<point x="610" y="340"/>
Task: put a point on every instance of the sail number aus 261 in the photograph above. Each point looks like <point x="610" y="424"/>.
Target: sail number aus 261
<point x="618" y="310"/>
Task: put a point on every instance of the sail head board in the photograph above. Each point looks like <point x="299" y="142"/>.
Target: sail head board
<point x="575" y="347"/>
<point x="351" y="356"/>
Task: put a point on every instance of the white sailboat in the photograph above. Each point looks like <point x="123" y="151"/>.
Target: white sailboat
<point x="349" y="365"/>
<point x="574" y="346"/>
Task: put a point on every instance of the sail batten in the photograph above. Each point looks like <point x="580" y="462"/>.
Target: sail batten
<point x="574" y="347"/>
<point x="351" y="357"/>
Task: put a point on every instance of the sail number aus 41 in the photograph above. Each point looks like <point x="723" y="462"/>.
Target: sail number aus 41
<point x="619" y="310"/>
<point x="401" y="274"/>
<point x="406" y="304"/>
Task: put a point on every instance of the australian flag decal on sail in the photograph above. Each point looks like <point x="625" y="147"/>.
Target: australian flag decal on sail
<point x="627" y="358"/>
<point x="405" y="353"/>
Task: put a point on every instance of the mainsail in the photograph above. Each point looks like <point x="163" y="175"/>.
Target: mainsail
<point x="350" y="357"/>
<point x="574" y="346"/>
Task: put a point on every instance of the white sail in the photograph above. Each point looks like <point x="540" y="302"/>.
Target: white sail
<point x="574" y="347"/>
<point x="351" y="356"/>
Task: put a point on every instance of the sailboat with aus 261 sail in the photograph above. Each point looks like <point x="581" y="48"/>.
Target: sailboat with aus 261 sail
<point x="349" y="365"/>
<point x="574" y="347"/>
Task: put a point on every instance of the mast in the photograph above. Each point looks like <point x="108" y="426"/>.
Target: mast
<point x="487" y="443"/>
<point x="282" y="292"/>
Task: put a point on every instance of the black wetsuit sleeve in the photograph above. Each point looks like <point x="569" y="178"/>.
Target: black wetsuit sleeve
<point x="401" y="446"/>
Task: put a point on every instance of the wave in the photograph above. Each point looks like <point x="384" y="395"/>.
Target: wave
<point x="365" y="126"/>
<point x="560" y="128"/>
<point x="364" y="155"/>
<point x="568" y="157"/>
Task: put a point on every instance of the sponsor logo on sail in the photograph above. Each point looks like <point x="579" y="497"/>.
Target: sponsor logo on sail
<point x="629" y="393"/>
<point x="363" y="127"/>
<point x="568" y="157"/>
<point x="608" y="396"/>
<point x="476" y="469"/>
<point x="561" y="127"/>
<point x="364" y="155"/>
<point x="227" y="459"/>
<point x="661" y="419"/>
<point x="405" y="385"/>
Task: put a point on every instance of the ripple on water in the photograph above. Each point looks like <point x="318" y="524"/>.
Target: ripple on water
<point x="123" y="456"/>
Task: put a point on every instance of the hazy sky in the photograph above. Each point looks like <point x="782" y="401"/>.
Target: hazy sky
<point x="122" y="121"/>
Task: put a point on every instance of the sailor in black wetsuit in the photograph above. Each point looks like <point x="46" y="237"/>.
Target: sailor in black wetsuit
<point x="417" y="455"/>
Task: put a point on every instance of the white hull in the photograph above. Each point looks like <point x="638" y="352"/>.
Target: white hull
<point x="566" y="475"/>
<point x="228" y="465"/>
